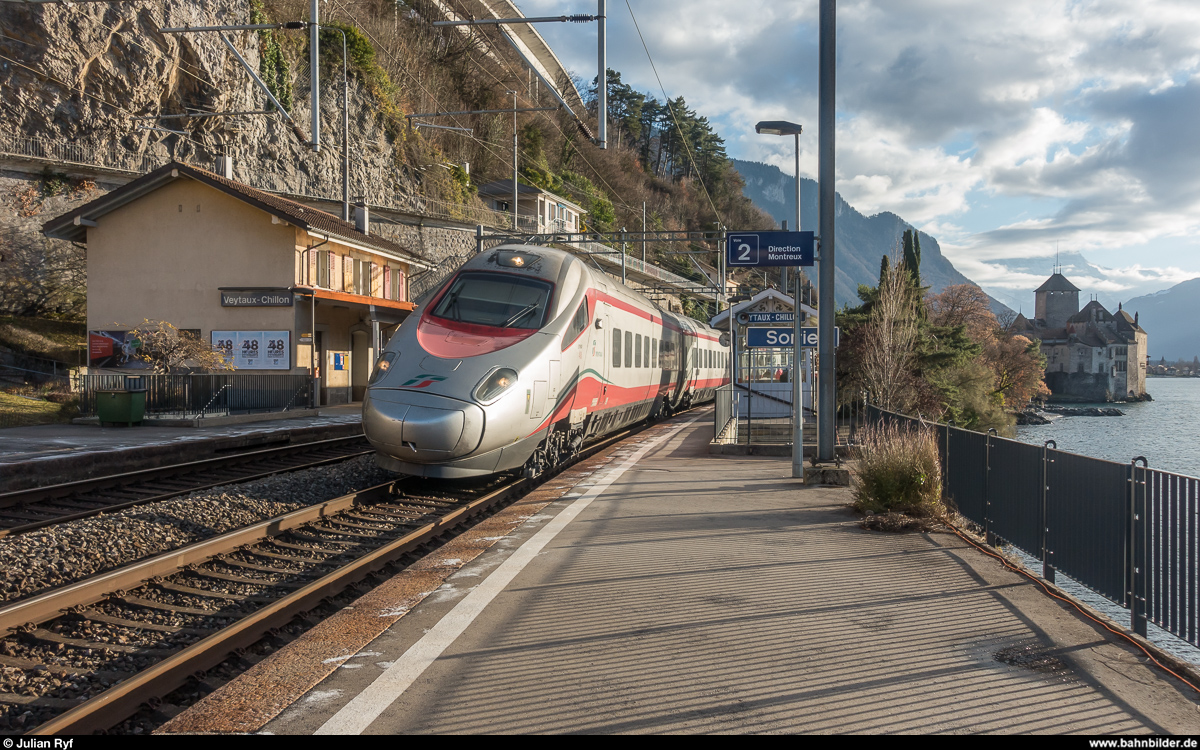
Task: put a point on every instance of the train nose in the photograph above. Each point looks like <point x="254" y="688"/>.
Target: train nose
<point x="421" y="427"/>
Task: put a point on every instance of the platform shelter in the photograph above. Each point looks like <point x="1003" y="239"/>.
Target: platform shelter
<point x="757" y="406"/>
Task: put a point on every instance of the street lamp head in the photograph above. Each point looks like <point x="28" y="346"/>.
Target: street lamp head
<point x="777" y="127"/>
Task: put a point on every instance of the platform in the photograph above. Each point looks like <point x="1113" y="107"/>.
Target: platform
<point x="660" y="589"/>
<point x="45" y="454"/>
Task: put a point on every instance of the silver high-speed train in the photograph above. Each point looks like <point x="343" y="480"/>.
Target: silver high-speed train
<point x="522" y="355"/>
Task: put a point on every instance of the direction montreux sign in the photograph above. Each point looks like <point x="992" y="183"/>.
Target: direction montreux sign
<point x="757" y="338"/>
<point x="770" y="248"/>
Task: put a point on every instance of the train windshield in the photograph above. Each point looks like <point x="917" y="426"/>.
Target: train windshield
<point x="495" y="299"/>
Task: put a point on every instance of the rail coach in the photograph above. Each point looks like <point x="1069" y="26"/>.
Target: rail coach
<point x="522" y="355"/>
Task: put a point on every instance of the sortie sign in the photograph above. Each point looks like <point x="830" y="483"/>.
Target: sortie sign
<point x="758" y="338"/>
<point x="770" y="248"/>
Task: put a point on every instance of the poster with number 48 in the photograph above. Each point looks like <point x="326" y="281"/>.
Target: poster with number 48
<point x="255" y="350"/>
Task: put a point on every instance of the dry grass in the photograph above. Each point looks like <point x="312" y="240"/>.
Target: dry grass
<point x="50" y="339"/>
<point x="898" y="471"/>
<point x="21" y="410"/>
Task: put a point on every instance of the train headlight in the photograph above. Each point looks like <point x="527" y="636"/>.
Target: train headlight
<point x="495" y="384"/>
<point x="382" y="366"/>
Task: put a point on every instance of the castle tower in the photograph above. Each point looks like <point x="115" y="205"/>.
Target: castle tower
<point x="1055" y="301"/>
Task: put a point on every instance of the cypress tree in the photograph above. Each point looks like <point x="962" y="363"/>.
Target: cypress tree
<point x="912" y="255"/>
<point x="885" y="267"/>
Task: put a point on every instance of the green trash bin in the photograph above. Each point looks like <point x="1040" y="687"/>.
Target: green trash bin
<point x="125" y="406"/>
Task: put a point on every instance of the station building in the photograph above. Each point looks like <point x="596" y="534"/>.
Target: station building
<point x="279" y="286"/>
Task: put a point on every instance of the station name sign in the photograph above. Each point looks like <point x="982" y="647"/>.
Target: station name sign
<point x="759" y="338"/>
<point x="770" y="317"/>
<point x="770" y="248"/>
<point x="256" y="298"/>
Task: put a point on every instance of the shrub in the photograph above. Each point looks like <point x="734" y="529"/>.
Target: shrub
<point x="898" y="471"/>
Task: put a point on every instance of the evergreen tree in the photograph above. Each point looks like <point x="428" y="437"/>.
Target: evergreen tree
<point x="912" y="255"/>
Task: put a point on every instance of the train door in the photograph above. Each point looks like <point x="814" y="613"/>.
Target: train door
<point x="600" y="352"/>
<point x="684" y="362"/>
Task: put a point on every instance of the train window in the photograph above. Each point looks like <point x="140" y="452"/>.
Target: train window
<point x="646" y="352"/>
<point x="495" y="299"/>
<point x="578" y="324"/>
<point x="616" y="347"/>
<point x="654" y="353"/>
<point x="637" y="350"/>
<point x="629" y="349"/>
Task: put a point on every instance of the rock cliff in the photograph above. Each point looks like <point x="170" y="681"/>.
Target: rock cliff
<point x="84" y="73"/>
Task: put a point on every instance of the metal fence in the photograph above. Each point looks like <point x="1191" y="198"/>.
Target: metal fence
<point x="204" y="395"/>
<point x="1125" y="531"/>
<point x="315" y="187"/>
<point x="65" y="152"/>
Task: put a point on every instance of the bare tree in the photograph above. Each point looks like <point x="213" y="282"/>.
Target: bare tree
<point x="40" y="277"/>
<point x="889" y="343"/>
<point x="169" y="349"/>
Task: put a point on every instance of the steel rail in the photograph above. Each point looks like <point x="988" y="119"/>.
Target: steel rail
<point x="126" y="697"/>
<point x="33" y="497"/>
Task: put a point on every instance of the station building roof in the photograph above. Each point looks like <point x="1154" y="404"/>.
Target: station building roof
<point x="73" y="225"/>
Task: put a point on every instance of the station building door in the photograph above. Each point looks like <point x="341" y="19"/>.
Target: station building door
<point x="360" y="363"/>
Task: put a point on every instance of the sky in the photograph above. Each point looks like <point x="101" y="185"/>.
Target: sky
<point x="1007" y="130"/>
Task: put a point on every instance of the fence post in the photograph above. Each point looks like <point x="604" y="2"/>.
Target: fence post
<point x="1047" y="553"/>
<point x="987" y="488"/>
<point x="946" y="462"/>
<point x="1138" y="571"/>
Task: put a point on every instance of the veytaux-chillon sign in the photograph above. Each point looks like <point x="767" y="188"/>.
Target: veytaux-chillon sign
<point x="256" y="298"/>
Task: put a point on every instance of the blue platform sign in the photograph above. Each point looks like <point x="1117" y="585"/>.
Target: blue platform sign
<point x="770" y="248"/>
<point x="758" y="338"/>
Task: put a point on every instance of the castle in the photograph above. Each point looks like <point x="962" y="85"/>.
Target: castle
<point x="1091" y="354"/>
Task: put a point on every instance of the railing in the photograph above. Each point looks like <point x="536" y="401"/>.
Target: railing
<point x="110" y="157"/>
<point x="33" y="369"/>
<point x="309" y="187"/>
<point x="725" y="410"/>
<point x="1127" y="532"/>
<point x="611" y="257"/>
<point x="204" y="395"/>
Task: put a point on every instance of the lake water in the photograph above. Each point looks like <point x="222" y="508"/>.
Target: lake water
<point x="1164" y="430"/>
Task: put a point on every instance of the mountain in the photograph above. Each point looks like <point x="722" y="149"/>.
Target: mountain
<point x="861" y="240"/>
<point x="1092" y="280"/>
<point x="1169" y="319"/>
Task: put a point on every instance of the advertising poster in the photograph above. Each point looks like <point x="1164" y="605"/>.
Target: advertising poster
<point x="115" y="349"/>
<point x="255" y="350"/>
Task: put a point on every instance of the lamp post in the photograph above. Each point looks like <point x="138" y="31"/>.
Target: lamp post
<point x="516" y="217"/>
<point x="345" y="127"/>
<point x="783" y="127"/>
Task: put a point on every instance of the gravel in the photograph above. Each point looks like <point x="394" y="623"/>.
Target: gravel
<point x="61" y="554"/>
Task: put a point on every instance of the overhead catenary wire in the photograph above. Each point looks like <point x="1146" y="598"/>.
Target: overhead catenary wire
<point x="671" y="109"/>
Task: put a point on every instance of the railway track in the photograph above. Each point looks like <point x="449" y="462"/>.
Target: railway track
<point x="26" y="510"/>
<point x="85" y="657"/>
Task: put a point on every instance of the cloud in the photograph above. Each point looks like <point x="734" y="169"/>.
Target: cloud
<point x="1084" y="110"/>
